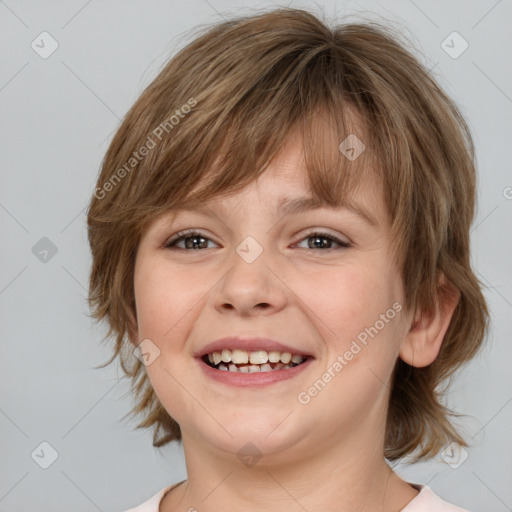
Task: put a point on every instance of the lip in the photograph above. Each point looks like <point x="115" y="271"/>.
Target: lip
<point x="253" y="380"/>
<point x="256" y="379"/>
<point x="248" y="344"/>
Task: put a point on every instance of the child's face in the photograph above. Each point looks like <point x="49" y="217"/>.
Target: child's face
<point x="316" y="300"/>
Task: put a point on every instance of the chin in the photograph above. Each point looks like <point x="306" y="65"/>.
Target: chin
<point x="252" y="439"/>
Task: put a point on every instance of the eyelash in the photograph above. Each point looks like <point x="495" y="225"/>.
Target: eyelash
<point x="190" y="233"/>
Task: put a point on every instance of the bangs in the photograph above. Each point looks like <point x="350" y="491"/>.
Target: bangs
<point x="332" y="174"/>
<point x="220" y="148"/>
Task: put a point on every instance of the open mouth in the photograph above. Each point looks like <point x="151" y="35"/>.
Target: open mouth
<point x="242" y="361"/>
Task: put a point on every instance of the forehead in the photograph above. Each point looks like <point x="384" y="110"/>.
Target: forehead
<point x="289" y="205"/>
<point x="308" y="172"/>
<point x="285" y="188"/>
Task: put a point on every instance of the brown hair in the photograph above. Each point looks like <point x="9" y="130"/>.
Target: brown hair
<point x="220" y="111"/>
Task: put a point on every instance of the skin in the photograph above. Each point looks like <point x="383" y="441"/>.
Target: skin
<point x="327" y="454"/>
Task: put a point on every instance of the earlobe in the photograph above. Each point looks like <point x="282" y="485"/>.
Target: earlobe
<point x="426" y="334"/>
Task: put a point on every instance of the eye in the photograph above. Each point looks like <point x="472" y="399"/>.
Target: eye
<point x="193" y="240"/>
<point x="196" y="240"/>
<point x="317" y="241"/>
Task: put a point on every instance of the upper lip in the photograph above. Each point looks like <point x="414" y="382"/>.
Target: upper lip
<point x="248" y="344"/>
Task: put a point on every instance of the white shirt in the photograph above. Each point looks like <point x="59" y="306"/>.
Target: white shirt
<point x="425" y="501"/>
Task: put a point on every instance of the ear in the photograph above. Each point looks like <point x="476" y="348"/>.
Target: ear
<point x="425" y="337"/>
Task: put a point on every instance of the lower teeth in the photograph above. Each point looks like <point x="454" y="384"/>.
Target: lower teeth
<point x="253" y="368"/>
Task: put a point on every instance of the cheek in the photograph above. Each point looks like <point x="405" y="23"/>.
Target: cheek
<point x="162" y="297"/>
<point x="165" y="301"/>
<point x="349" y="299"/>
<point x="359" y="317"/>
<point x="169" y="300"/>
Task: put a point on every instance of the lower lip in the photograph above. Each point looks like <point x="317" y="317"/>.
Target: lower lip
<point x="255" y="379"/>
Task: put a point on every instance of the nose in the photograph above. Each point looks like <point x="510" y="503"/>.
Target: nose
<point x="250" y="287"/>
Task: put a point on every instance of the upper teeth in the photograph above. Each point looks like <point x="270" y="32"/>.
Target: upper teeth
<point x="256" y="357"/>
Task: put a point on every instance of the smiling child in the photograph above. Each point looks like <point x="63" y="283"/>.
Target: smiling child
<point x="280" y="243"/>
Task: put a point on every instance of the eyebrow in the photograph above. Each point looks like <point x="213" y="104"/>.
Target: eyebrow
<point x="290" y="206"/>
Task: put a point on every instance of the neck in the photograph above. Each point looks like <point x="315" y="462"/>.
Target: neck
<point x="337" y="476"/>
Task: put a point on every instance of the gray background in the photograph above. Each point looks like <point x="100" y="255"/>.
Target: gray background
<point x="58" y="115"/>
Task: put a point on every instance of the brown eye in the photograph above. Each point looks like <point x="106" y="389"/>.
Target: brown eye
<point x="193" y="240"/>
